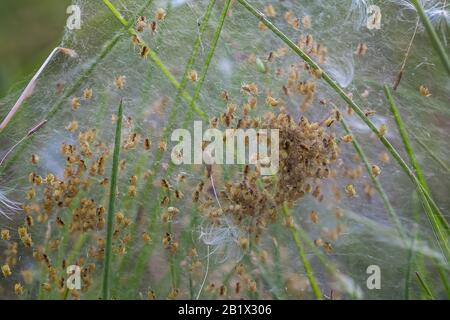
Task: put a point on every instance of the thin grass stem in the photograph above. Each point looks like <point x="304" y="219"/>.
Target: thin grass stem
<point x="111" y="206"/>
<point x="391" y="211"/>
<point x="405" y="138"/>
<point x="434" y="38"/>
<point x="152" y="54"/>
<point x="409" y="264"/>
<point x="210" y="53"/>
<point x="424" y="286"/>
<point x="302" y="254"/>
<point x="432" y="154"/>
<point x="435" y="213"/>
<point x="444" y="280"/>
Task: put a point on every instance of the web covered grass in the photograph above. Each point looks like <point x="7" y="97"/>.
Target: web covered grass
<point x="158" y="97"/>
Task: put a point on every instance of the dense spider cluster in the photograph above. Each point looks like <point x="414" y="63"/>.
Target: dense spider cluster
<point x="306" y="153"/>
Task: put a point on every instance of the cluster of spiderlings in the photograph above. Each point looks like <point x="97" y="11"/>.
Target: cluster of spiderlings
<point x="11" y="256"/>
<point x="49" y="197"/>
<point x="242" y="282"/>
<point x="306" y="153"/>
<point x="82" y="169"/>
<point x="143" y="25"/>
<point x="77" y="191"/>
<point x="307" y="150"/>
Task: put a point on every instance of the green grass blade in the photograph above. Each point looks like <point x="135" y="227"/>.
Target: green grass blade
<point x="111" y="206"/>
<point x="432" y="154"/>
<point x="435" y="41"/>
<point x="211" y="51"/>
<point x="303" y="257"/>
<point x="300" y="238"/>
<point x="410" y="263"/>
<point x="435" y="216"/>
<point x="424" y="286"/>
<point x="116" y="12"/>
<point x="155" y="58"/>
<point x="405" y="138"/>
<point x="391" y="211"/>
<point x="444" y="280"/>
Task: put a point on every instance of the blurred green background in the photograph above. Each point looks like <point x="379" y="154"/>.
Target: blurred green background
<point x="29" y="30"/>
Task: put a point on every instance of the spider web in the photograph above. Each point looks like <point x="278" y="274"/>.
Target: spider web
<point x="105" y="51"/>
